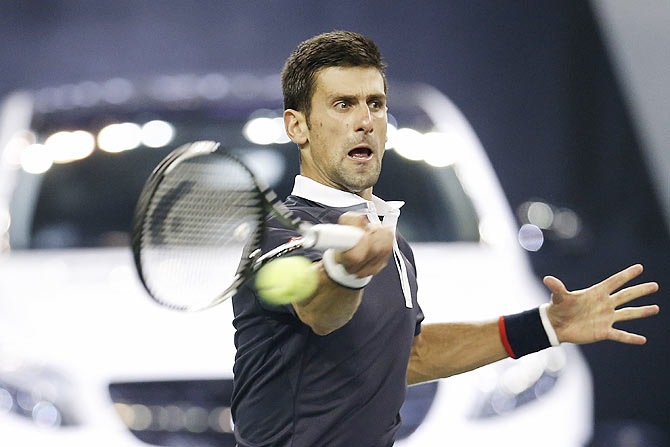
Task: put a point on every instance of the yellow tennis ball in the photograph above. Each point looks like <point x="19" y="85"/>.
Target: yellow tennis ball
<point x="287" y="280"/>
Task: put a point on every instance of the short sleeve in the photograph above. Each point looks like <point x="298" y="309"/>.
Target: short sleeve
<point x="419" y="320"/>
<point x="274" y="236"/>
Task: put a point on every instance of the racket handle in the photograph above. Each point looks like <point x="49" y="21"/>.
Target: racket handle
<point x="338" y="237"/>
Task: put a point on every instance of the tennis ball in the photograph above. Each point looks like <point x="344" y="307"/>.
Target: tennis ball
<point x="287" y="280"/>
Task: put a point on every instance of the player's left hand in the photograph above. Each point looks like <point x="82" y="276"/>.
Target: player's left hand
<point x="588" y="315"/>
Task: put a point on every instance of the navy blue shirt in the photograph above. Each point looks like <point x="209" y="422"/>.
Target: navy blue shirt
<point x="295" y="388"/>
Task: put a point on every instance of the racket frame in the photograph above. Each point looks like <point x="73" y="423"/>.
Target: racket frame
<point x="319" y="236"/>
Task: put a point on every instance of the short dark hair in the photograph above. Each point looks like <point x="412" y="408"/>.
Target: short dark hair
<point x="333" y="49"/>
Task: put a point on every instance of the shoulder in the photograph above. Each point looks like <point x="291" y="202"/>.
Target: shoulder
<point x="275" y="233"/>
<point x="309" y="211"/>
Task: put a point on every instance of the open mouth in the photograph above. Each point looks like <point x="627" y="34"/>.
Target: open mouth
<point x="360" y="153"/>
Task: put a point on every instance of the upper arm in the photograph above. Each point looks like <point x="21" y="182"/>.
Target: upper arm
<point x="414" y="367"/>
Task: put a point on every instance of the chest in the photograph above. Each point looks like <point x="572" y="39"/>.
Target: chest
<point x="382" y="326"/>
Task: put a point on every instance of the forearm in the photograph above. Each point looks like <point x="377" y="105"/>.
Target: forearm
<point x="445" y="349"/>
<point x="331" y="307"/>
<point x="338" y="296"/>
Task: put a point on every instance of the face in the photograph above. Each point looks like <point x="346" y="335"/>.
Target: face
<point x="344" y="144"/>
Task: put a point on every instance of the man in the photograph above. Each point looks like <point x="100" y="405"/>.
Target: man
<point x="332" y="370"/>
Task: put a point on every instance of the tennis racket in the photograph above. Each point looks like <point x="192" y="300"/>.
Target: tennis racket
<point x="199" y="224"/>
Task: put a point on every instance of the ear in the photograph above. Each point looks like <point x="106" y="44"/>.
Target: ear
<point x="296" y="126"/>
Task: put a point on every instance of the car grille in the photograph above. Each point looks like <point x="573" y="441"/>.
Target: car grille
<point x="176" y="413"/>
<point x="197" y="412"/>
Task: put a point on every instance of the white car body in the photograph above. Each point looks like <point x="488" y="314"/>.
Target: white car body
<point x="74" y="321"/>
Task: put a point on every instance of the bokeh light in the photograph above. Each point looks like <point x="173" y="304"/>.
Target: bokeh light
<point x="120" y="137"/>
<point x="67" y="146"/>
<point x="531" y="237"/>
<point x="36" y="159"/>
<point x="157" y="133"/>
<point x="265" y="130"/>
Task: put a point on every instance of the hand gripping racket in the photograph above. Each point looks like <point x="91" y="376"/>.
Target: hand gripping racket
<point x="198" y="226"/>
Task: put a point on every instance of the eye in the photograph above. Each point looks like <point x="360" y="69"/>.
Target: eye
<point x="341" y="105"/>
<point x="376" y="105"/>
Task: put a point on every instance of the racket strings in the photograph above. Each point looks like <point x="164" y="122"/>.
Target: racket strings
<point x="207" y="219"/>
<point x="201" y="218"/>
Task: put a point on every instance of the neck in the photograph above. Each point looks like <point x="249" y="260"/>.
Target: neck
<point x="365" y="193"/>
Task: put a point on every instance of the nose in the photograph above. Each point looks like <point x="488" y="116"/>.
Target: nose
<point x="364" y="119"/>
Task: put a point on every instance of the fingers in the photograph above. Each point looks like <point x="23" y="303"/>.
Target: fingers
<point x="587" y="315"/>
<point x="630" y="293"/>
<point x="354" y="219"/>
<point x="371" y="254"/>
<point x="633" y="313"/>
<point x="626" y="337"/>
<point x="619" y="279"/>
<point x="556" y="287"/>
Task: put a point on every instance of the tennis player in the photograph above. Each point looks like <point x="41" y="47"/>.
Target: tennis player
<point x="332" y="370"/>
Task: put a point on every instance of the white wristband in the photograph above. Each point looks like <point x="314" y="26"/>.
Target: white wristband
<point x="548" y="328"/>
<point x="339" y="274"/>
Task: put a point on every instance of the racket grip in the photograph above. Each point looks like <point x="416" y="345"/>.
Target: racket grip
<point x="338" y="237"/>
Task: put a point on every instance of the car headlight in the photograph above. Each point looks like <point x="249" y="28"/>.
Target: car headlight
<point x="526" y="380"/>
<point x="38" y="395"/>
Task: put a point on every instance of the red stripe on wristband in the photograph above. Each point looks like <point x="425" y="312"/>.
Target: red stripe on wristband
<point x="503" y="337"/>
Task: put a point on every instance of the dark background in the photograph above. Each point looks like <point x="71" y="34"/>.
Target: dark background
<point x="533" y="78"/>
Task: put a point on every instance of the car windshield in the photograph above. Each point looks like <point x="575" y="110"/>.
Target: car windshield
<point x="90" y="202"/>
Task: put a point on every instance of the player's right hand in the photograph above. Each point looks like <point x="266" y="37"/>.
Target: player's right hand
<point x="371" y="254"/>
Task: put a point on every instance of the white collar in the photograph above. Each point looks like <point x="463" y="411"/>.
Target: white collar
<point x="312" y="190"/>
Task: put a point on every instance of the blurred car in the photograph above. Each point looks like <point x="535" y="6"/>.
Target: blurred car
<point x="86" y="358"/>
